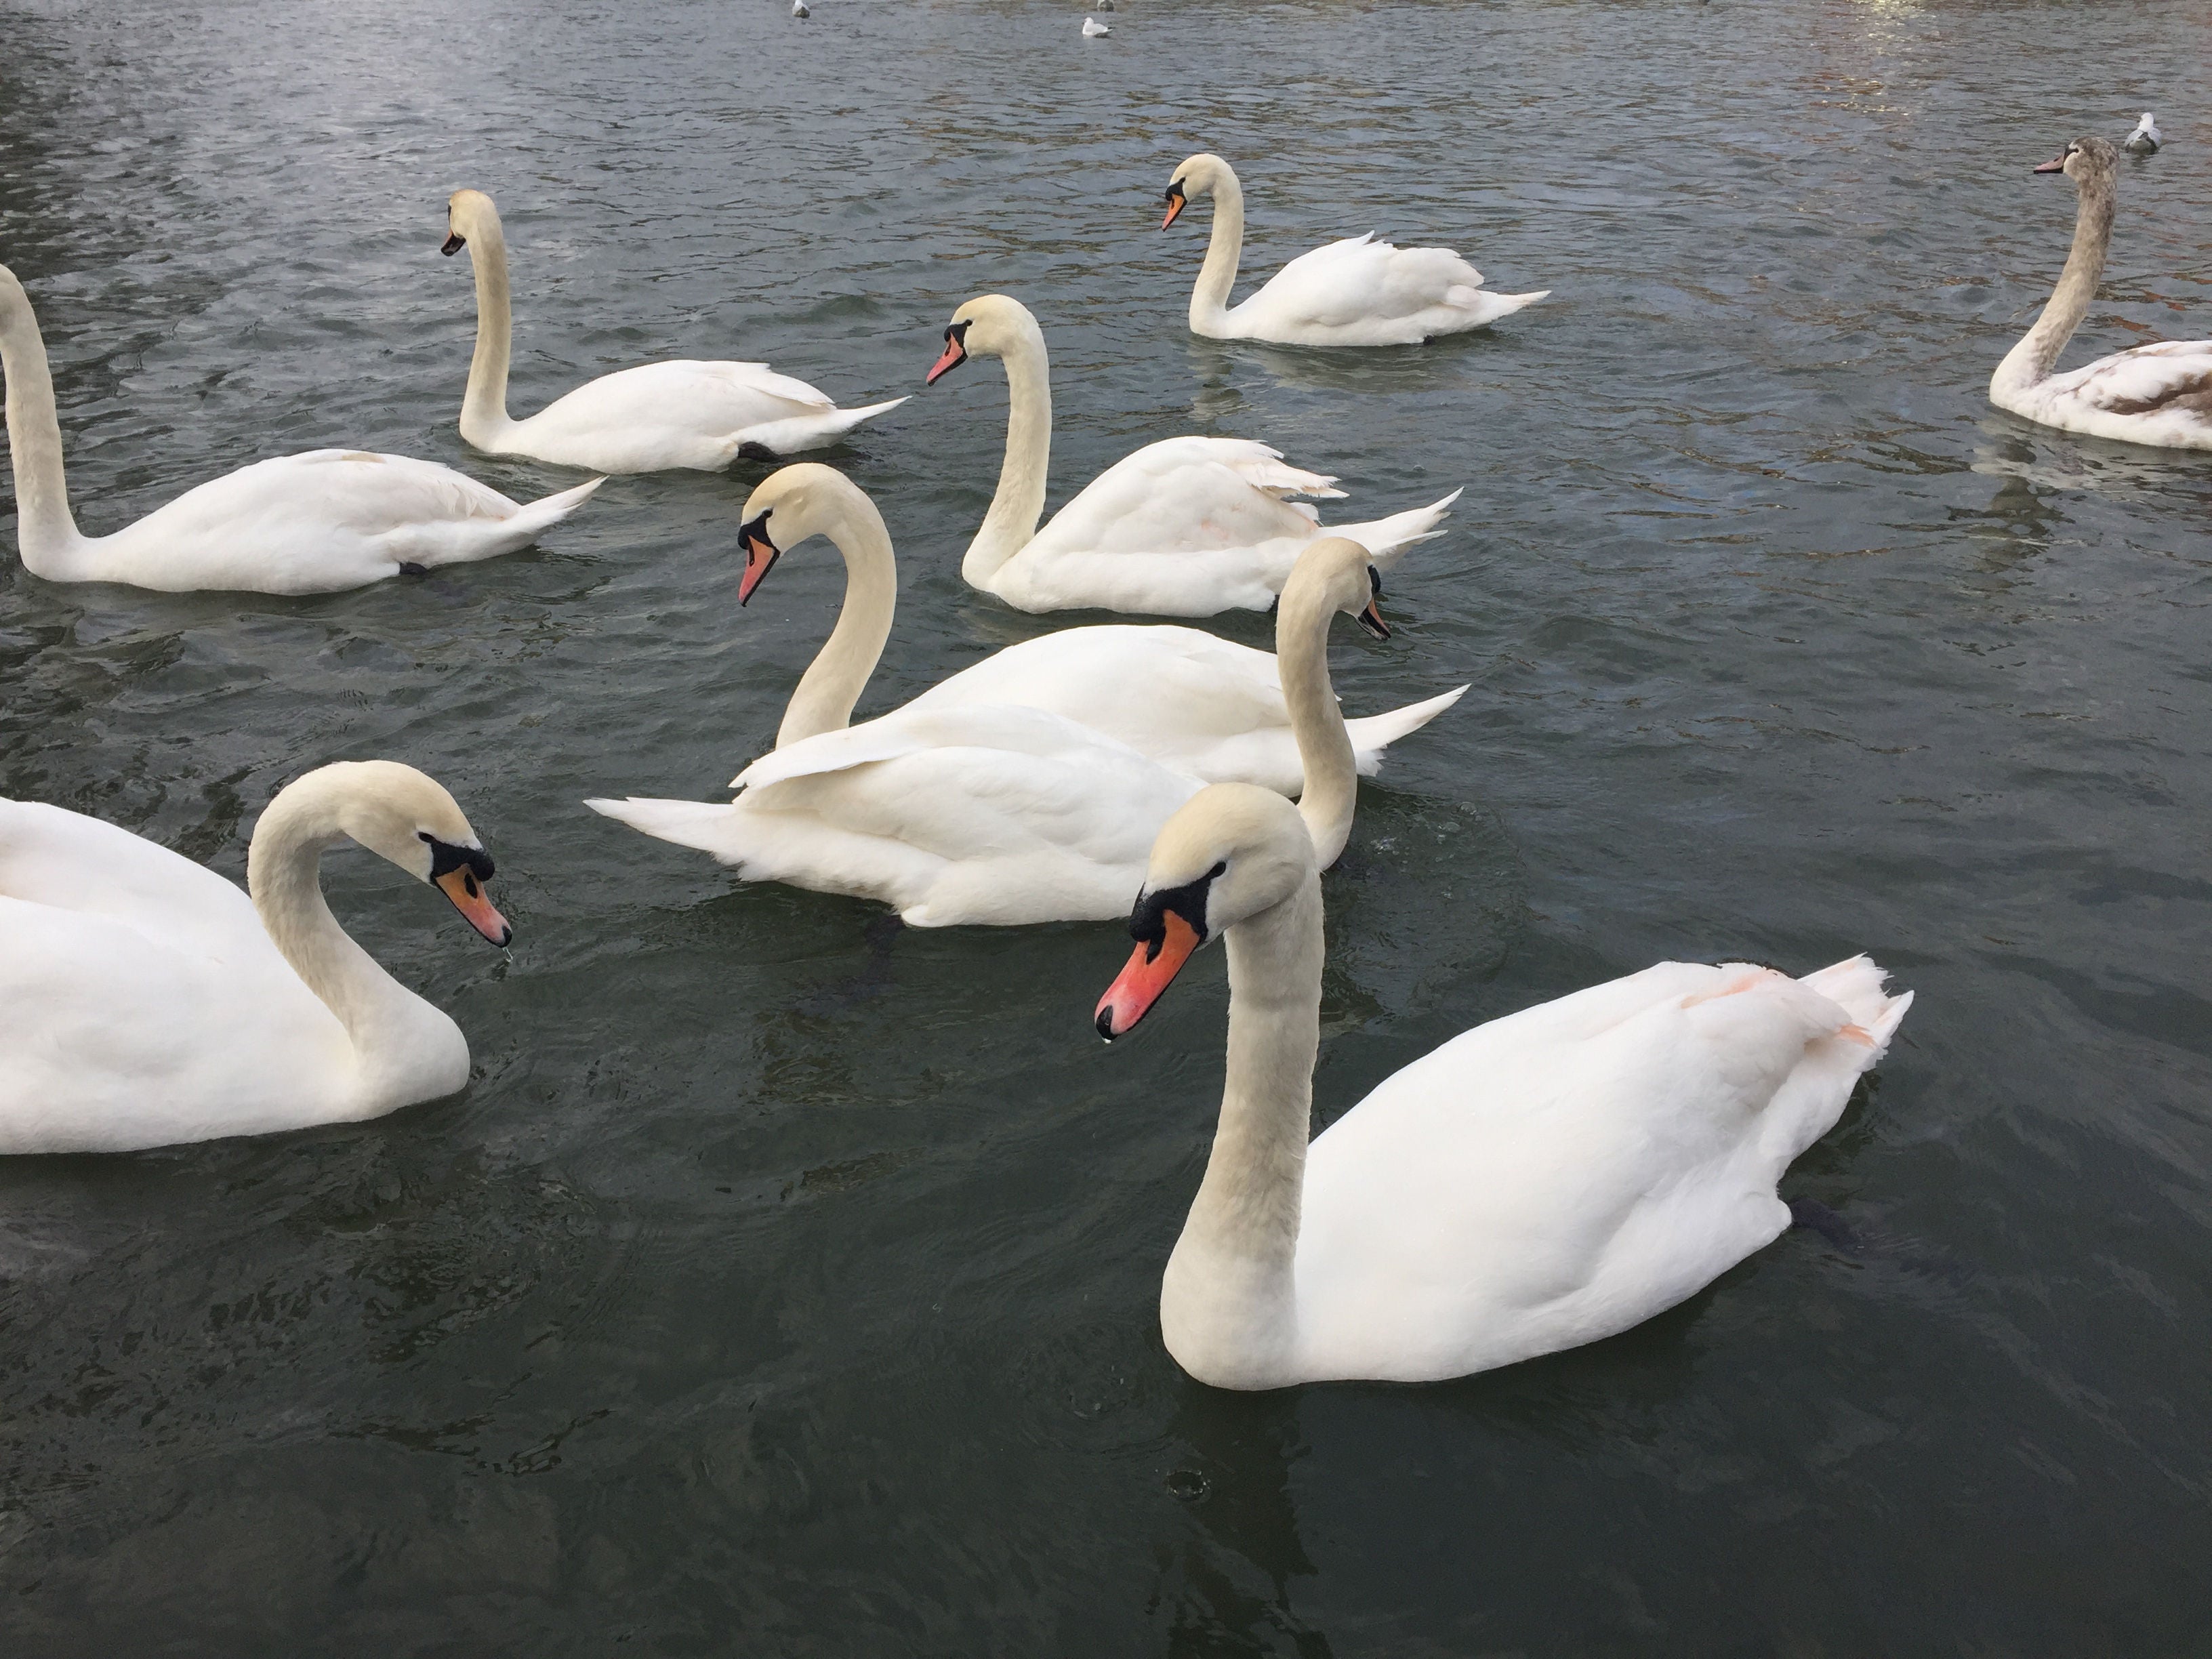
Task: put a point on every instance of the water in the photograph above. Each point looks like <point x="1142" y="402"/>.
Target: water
<point x="779" y="1288"/>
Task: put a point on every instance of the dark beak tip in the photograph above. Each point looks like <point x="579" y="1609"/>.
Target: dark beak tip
<point x="453" y="244"/>
<point x="1105" y="1022"/>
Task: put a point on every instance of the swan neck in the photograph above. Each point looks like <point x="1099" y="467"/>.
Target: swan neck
<point x="45" y="530"/>
<point x="483" y="406"/>
<point x="1228" y="1303"/>
<point x="2037" y="354"/>
<point x="840" y="671"/>
<point x="1332" y="770"/>
<point x="1019" y="502"/>
<point x="1224" y="249"/>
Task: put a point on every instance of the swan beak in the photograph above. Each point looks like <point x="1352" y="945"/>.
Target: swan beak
<point x="1153" y="966"/>
<point x="956" y="353"/>
<point x="453" y="244"/>
<point x="1372" y="620"/>
<point x="2055" y="164"/>
<point x="469" y="899"/>
<point x="1176" y="202"/>
<point x="761" y="555"/>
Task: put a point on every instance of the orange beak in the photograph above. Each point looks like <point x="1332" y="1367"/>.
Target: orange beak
<point x="1372" y="620"/>
<point x="955" y="355"/>
<point x="1153" y="966"/>
<point x="469" y="899"/>
<point x="761" y="555"/>
<point x="1176" y="202"/>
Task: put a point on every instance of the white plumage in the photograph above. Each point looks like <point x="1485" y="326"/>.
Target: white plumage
<point x="2146" y="139"/>
<point x="1092" y="28"/>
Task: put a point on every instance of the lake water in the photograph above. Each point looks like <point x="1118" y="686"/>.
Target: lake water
<point x="782" y="1287"/>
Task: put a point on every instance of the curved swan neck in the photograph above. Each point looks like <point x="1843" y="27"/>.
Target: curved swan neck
<point x="834" y="681"/>
<point x="1019" y="502"/>
<point x="483" y="406"/>
<point x="2037" y="354"/>
<point x="1331" y="781"/>
<point x="45" y="530"/>
<point x="283" y="866"/>
<point x="1224" y="248"/>
<point x="1228" y="1301"/>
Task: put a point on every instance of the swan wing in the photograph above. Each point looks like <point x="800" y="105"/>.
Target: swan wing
<point x="65" y="861"/>
<point x="321" y="490"/>
<point x="1188" y="494"/>
<point x="2171" y="377"/>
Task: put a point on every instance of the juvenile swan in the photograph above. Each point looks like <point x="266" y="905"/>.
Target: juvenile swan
<point x="657" y="416"/>
<point x="313" y="523"/>
<point x="1538" y="1182"/>
<point x="151" y="1002"/>
<point x="2154" y="394"/>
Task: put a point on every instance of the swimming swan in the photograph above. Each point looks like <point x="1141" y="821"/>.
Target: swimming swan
<point x="149" y="1002"/>
<point x="1195" y="703"/>
<point x="1357" y="292"/>
<point x="2152" y="394"/>
<point x="1538" y="1182"/>
<point x="1185" y="527"/>
<point x="648" y="419"/>
<point x="1002" y="815"/>
<point x="313" y="523"/>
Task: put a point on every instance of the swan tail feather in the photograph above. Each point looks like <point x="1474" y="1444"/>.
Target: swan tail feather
<point x="549" y="510"/>
<point x="1386" y="539"/>
<point x="803" y="432"/>
<point x="1856" y="986"/>
<point x="1371" y="734"/>
<point x="703" y="824"/>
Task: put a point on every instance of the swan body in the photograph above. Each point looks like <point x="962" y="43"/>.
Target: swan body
<point x="1357" y="292"/>
<point x="2145" y="139"/>
<point x="651" y="418"/>
<point x="1092" y="28"/>
<point x="2159" y="394"/>
<point x="313" y="523"/>
<point x="1201" y="706"/>
<point x="1001" y="815"/>
<point x="151" y="1002"/>
<point x="1540" y="1181"/>
<point x="1188" y="526"/>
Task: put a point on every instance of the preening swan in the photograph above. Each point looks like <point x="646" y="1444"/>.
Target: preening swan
<point x="2146" y="139"/>
<point x="1184" y="527"/>
<point x="2154" y="394"/>
<point x="1195" y="703"/>
<point x="1538" y="1182"/>
<point x="149" y="1002"/>
<point x="313" y="523"/>
<point x="998" y="814"/>
<point x="1357" y="292"/>
<point x="648" y="419"/>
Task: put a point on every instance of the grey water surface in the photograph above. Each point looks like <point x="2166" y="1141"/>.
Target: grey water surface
<point x="786" y="1285"/>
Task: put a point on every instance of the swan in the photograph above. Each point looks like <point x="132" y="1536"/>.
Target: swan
<point x="312" y="523"/>
<point x="1185" y="527"/>
<point x="2145" y="139"/>
<point x="1195" y="704"/>
<point x="2152" y="394"/>
<point x="647" y="419"/>
<point x="1092" y="28"/>
<point x="1357" y="292"/>
<point x="149" y="1002"/>
<point x="1001" y="815"/>
<point x="1538" y="1182"/>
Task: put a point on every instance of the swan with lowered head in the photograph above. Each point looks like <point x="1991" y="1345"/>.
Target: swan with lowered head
<point x="1357" y="292"/>
<point x="149" y="1002"/>
<point x="1002" y="815"/>
<point x="2145" y="139"/>
<point x="2157" y="394"/>
<point x="313" y="523"/>
<point x="1538" y="1182"/>
<point x="1185" y="527"/>
<point x="1195" y="704"/>
<point x="655" y="417"/>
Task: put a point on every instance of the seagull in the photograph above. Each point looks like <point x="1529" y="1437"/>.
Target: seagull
<point x="2145" y="139"/>
<point x="1092" y="28"/>
<point x="798" y="9"/>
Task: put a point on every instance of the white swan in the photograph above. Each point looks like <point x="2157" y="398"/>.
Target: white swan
<point x="1002" y="815"/>
<point x="648" y="419"/>
<point x="313" y="523"/>
<point x="2154" y="394"/>
<point x="1184" y="527"/>
<point x="1195" y="703"/>
<point x="1357" y="292"/>
<point x="1538" y="1182"/>
<point x="149" y="1002"/>
<point x="2146" y="139"/>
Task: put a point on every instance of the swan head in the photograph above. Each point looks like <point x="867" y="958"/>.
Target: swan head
<point x="2084" y="158"/>
<point x="1197" y="176"/>
<point x="988" y="325"/>
<point x="1337" y="573"/>
<point x="1229" y="852"/>
<point x="805" y="500"/>
<point x="468" y="213"/>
